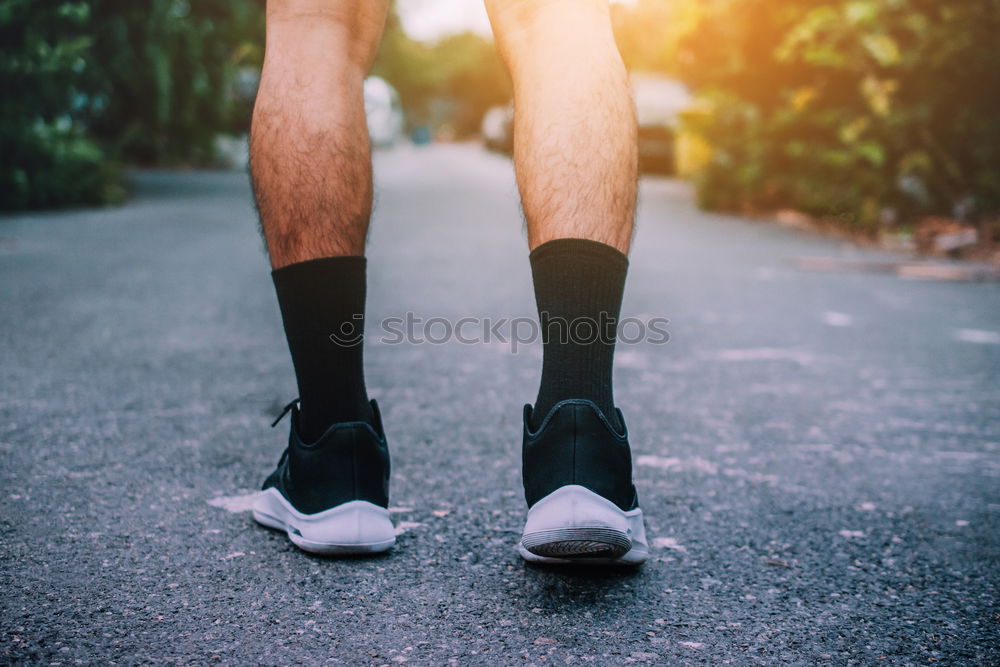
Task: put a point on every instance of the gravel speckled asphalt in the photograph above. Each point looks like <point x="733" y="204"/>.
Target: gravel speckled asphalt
<point x="818" y="454"/>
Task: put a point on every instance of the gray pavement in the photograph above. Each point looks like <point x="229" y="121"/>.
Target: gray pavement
<point x="818" y="453"/>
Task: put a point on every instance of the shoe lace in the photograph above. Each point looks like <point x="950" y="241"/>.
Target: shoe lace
<point x="288" y="408"/>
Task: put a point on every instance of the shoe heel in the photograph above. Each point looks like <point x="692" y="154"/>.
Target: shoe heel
<point x="573" y="522"/>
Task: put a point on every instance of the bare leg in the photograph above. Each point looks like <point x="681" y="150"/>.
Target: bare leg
<point x="310" y="154"/>
<point x="312" y="176"/>
<point x="574" y="128"/>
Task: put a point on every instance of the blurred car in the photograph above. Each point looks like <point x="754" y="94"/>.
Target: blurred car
<point x="383" y="111"/>
<point x="659" y="101"/>
<point x="498" y="128"/>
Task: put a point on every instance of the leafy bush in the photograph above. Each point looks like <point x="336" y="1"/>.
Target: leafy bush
<point x="164" y="75"/>
<point x="91" y="83"/>
<point x="864" y="110"/>
<point x="46" y="158"/>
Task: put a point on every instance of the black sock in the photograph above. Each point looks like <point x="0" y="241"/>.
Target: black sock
<point x="583" y="281"/>
<point x="319" y="299"/>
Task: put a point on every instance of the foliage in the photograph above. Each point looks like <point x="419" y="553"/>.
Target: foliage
<point x="450" y="82"/>
<point x="866" y="110"/>
<point x="46" y="158"/>
<point x="91" y="83"/>
<point x="165" y="72"/>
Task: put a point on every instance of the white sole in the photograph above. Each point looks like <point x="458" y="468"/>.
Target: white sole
<point x="574" y="525"/>
<point x="356" y="527"/>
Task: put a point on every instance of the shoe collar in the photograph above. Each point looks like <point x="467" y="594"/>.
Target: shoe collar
<point x="375" y="427"/>
<point x="528" y="410"/>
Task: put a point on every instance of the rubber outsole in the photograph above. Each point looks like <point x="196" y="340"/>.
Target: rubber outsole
<point x="354" y="528"/>
<point x="578" y="543"/>
<point x="574" y="525"/>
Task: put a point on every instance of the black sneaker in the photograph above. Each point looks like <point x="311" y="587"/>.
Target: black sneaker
<point x="332" y="496"/>
<point x="582" y="505"/>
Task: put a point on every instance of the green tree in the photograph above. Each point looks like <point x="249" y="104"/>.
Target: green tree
<point x="166" y="70"/>
<point x="462" y="71"/>
<point x="852" y="109"/>
<point x="91" y="83"/>
<point x="46" y="157"/>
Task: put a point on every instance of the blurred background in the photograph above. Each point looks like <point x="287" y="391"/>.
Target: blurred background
<point x="875" y="118"/>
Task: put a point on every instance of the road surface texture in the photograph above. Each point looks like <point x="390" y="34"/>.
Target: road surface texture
<point x="817" y="453"/>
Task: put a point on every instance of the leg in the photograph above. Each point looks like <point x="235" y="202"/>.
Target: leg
<point x="575" y="129"/>
<point x="575" y="159"/>
<point x="310" y="154"/>
<point x="311" y="170"/>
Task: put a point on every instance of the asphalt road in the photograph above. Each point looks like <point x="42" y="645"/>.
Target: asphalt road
<point x="818" y="453"/>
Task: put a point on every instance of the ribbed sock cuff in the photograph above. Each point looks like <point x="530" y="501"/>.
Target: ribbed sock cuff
<point x="577" y="280"/>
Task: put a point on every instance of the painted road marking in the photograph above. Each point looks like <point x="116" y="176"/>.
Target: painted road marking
<point x="235" y="504"/>
<point x="835" y="319"/>
<point x="978" y="336"/>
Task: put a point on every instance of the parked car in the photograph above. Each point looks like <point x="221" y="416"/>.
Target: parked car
<point x="383" y="111"/>
<point x="498" y="128"/>
<point x="659" y="101"/>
